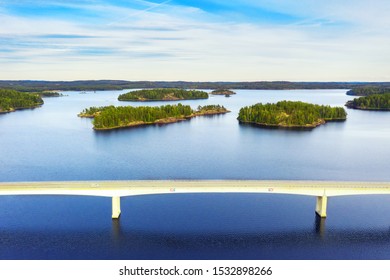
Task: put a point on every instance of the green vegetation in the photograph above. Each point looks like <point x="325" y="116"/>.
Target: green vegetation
<point x="162" y="94"/>
<point x="11" y="100"/>
<point x="380" y="102"/>
<point x="92" y="112"/>
<point x="111" y="117"/>
<point x="211" y="110"/>
<point x="368" y="90"/>
<point x="50" y="94"/>
<point x="294" y="114"/>
<point x="91" y="85"/>
<point x="222" y="92"/>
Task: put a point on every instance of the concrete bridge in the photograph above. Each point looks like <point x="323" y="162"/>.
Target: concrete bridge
<point x="116" y="189"/>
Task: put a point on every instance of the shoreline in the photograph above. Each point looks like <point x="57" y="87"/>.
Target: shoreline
<point x="292" y="127"/>
<point x="367" y="109"/>
<point x="20" y="109"/>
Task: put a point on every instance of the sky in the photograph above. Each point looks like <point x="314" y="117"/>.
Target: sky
<point x="204" y="40"/>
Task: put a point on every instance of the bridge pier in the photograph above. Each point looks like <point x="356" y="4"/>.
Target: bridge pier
<point x="321" y="204"/>
<point x="116" y="207"/>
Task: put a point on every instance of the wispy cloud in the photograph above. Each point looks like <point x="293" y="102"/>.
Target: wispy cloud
<point x="203" y="40"/>
<point x="140" y="12"/>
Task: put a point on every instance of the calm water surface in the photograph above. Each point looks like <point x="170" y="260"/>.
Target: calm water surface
<point x="52" y="143"/>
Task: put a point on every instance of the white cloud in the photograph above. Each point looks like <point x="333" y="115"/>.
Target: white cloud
<point x="185" y="43"/>
<point x="360" y="13"/>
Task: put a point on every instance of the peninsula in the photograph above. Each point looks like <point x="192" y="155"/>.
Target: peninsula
<point x="12" y="100"/>
<point x="111" y="117"/>
<point x="375" y="102"/>
<point x="163" y="94"/>
<point x="290" y="114"/>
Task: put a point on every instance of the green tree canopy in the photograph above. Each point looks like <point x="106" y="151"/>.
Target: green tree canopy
<point x="162" y="94"/>
<point x="290" y="114"/>
<point x="11" y="100"/>
<point x="111" y="117"/>
<point x="371" y="102"/>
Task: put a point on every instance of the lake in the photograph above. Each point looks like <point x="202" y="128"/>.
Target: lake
<point x="52" y="144"/>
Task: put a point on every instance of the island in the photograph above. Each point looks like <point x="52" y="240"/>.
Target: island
<point x="12" y="100"/>
<point x="222" y="91"/>
<point x="112" y="117"/>
<point x="290" y="115"/>
<point x="163" y="94"/>
<point x="375" y="102"/>
<point x="50" y="94"/>
<point x="367" y="90"/>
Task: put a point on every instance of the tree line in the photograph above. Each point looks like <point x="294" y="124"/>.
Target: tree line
<point x="11" y="100"/>
<point x="33" y="86"/>
<point x="162" y="94"/>
<point x="290" y="113"/>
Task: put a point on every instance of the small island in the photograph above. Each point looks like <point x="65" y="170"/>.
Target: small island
<point x="111" y="117"/>
<point x="163" y="94"/>
<point x="12" y="100"/>
<point x="222" y="91"/>
<point x="50" y="94"/>
<point x="374" y="102"/>
<point x="290" y="114"/>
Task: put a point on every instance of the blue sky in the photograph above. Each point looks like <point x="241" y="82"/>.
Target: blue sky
<point x="205" y="40"/>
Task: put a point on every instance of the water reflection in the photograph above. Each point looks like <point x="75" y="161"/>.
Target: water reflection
<point x="138" y="244"/>
<point x="116" y="230"/>
<point x="319" y="226"/>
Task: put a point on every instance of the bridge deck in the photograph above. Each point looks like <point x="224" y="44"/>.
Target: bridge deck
<point x="143" y="187"/>
<point x="117" y="189"/>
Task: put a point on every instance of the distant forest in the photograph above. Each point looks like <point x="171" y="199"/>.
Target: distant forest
<point x="91" y="85"/>
<point x="11" y="100"/>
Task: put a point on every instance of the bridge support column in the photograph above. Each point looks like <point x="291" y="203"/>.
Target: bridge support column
<point x="116" y="207"/>
<point x="321" y="204"/>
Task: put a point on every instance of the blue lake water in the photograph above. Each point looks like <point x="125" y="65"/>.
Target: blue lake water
<point x="52" y="143"/>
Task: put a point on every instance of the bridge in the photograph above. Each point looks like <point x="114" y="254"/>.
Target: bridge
<point x="117" y="189"/>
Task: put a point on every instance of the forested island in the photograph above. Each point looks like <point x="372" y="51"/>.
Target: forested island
<point x="11" y="100"/>
<point x="368" y="90"/>
<point x="111" y="117"/>
<point x="222" y="91"/>
<point x="376" y="102"/>
<point x="290" y="114"/>
<point x="163" y="94"/>
<point x="49" y="94"/>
